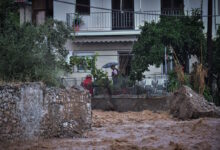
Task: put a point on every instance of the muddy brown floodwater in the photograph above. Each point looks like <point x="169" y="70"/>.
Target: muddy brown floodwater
<point x="137" y="131"/>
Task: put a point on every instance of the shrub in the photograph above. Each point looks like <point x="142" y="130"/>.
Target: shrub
<point x="33" y="53"/>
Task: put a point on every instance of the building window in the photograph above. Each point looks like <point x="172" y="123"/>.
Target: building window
<point x="172" y="6"/>
<point x="83" y="7"/>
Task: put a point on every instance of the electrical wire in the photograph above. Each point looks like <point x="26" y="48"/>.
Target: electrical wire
<point x="145" y="12"/>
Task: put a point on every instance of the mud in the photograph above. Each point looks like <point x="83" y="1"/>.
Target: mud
<point x="136" y="131"/>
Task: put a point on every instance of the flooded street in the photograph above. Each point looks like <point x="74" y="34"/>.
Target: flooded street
<point x="137" y="130"/>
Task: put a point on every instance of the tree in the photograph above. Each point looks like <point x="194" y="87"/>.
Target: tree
<point x="184" y="34"/>
<point x="32" y="53"/>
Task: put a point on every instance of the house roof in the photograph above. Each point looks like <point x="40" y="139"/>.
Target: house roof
<point x="105" y="39"/>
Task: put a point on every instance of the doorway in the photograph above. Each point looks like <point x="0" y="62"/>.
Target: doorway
<point x="122" y="14"/>
<point x="125" y="63"/>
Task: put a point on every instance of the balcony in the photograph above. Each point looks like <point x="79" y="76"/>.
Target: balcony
<point x="117" y="22"/>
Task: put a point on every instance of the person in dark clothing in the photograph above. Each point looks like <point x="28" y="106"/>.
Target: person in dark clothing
<point x="114" y="74"/>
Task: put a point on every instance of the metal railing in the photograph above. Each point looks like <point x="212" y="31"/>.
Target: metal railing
<point x="106" y="21"/>
<point x="154" y="85"/>
<point x="117" y="20"/>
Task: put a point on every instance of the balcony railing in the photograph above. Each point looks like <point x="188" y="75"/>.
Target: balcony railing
<point x="115" y="20"/>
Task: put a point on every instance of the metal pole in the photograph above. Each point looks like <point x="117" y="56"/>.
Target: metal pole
<point x="140" y="6"/>
<point x="165" y="58"/>
<point x="209" y="43"/>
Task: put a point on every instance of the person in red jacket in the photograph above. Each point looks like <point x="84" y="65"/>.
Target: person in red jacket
<point x="87" y="84"/>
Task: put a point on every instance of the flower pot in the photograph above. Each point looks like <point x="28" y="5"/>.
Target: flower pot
<point x="76" y="28"/>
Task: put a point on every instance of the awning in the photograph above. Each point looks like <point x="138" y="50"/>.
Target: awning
<point x="20" y="1"/>
<point x="107" y="39"/>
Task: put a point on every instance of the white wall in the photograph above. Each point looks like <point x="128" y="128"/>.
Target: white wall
<point x="146" y="5"/>
<point x="25" y="14"/>
<point x="61" y="9"/>
<point x="153" y="70"/>
<point x="98" y="19"/>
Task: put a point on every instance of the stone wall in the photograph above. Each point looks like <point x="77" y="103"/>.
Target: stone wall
<point x="31" y="110"/>
<point x="128" y="103"/>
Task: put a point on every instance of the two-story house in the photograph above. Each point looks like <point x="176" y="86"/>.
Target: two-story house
<point x="110" y="27"/>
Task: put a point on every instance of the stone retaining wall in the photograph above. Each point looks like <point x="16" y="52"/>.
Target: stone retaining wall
<point x="31" y="110"/>
<point x="129" y="103"/>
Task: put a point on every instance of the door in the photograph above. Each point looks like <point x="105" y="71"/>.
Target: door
<point x="125" y="63"/>
<point x="122" y="14"/>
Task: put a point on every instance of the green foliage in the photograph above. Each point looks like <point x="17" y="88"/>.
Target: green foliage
<point x="148" y="46"/>
<point x="8" y="13"/>
<point x="32" y="53"/>
<point x="183" y="34"/>
<point x="85" y="62"/>
<point x="173" y="83"/>
<point x="207" y="94"/>
<point x="100" y="77"/>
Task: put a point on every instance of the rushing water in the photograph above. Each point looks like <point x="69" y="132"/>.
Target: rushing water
<point x="138" y="130"/>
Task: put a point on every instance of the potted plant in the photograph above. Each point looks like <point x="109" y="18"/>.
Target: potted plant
<point x="77" y="21"/>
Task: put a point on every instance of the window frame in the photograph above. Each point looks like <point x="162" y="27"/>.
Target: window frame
<point x="172" y="5"/>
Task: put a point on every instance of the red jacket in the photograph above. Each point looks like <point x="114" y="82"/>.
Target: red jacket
<point x="87" y="84"/>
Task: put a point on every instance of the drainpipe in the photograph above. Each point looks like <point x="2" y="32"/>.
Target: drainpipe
<point x="140" y="6"/>
<point x="215" y="13"/>
<point x="165" y="56"/>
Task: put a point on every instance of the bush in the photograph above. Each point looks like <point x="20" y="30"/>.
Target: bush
<point x="33" y="53"/>
<point x="173" y="83"/>
<point x="207" y="94"/>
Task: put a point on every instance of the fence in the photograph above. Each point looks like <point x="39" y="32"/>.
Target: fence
<point x="153" y="85"/>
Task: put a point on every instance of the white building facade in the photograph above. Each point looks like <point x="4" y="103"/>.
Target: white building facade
<point x="110" y="27"/>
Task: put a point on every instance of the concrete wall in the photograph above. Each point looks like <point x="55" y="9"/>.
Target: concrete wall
<point x="31" y="110"/>
<point x="144" y="6"/>
<point x="61" y="9"/>
<point x="25" y="14"/>
<point x="97" y="19"/>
